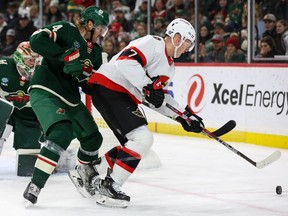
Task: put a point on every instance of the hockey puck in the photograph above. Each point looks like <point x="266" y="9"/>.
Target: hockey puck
<point x="279" y="190"/>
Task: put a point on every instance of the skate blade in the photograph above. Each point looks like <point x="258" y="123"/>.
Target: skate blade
<point x="76" y="180"/>
<point x="27" y="203"/>
<point x="112" y="203"/>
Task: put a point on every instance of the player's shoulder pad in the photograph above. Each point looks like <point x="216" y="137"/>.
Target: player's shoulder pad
<point x="64" y="23"/>
<point x="156" y="41"/>
<point x="70" y="24"/>
<point x="63" y="26"/>
<point x="151" y="40"/>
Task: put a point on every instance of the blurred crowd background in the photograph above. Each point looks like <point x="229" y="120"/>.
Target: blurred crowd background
<point x="222" y="28"/>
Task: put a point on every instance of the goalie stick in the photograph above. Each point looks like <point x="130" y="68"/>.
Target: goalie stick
<point x="261" y="164"/>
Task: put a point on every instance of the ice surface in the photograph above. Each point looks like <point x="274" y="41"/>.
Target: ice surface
<point x="198" y="177"/>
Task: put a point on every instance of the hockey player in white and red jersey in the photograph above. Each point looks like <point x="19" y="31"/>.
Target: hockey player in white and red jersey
<point x="140" y="73"/>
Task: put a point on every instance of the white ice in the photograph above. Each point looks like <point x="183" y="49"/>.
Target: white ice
<point x="198" y="177"/>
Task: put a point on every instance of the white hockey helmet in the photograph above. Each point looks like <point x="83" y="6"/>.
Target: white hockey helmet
<point x="26" y="60"/>
<point x="185" y="29"/>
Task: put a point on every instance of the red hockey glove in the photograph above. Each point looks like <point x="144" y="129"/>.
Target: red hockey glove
<point x="154" y="93"/>
<point x="72" y="64"/>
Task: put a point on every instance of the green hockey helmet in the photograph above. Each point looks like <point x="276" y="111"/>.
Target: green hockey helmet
<point x="98" y="16"/>
<point x="26" y="60"/>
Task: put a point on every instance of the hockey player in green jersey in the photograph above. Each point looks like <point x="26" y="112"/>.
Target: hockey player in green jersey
<point x="70" y="53"/>
<point x="15" y="74"/>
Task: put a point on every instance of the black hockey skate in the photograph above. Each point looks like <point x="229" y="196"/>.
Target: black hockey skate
<point x="110" y="194"/>
<point x="86" y="179"/>
<point x="31" y="193"/>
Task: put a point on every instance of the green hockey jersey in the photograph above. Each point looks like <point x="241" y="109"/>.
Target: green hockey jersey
<point x="14" y="88"/>
<point x="51" y="42"/>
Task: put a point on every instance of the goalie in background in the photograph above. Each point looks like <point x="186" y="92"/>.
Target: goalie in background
<point x="15" y="75"/>
<point x="70" y="53"/>
<point x="140" y="73"/>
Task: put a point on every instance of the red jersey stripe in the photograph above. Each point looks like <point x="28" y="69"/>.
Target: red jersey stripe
<point x="100" y="79"/>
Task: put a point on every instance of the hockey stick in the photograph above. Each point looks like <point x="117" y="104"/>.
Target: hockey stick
<point x="226" y="128"/>
<point x="230" y="125"/>
<point x="261" y="164"/>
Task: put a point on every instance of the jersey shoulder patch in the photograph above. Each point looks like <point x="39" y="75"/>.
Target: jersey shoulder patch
<point x="3" y="62"/>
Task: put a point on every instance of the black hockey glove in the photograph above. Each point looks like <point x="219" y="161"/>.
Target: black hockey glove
<point x="154" y="93"/>
<point x="191" y="125"/>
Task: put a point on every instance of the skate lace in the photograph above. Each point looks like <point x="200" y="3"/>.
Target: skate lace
<point x="117" y="188"/>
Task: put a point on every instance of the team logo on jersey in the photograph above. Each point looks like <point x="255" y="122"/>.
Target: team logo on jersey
<point x="60" y="111"/>
<point x="76" y="44"/>
<point x="87" y="67"/>
<point x="87" y="63"/>
<point x="19" y="99"/>
<point x="138" y="113"/>
<point x="4" y="81"/>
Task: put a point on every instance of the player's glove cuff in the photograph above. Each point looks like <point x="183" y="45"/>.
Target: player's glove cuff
<point x="72" y="64"/>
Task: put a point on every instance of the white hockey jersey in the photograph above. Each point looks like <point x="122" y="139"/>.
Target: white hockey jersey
<point x="135" y="66"/>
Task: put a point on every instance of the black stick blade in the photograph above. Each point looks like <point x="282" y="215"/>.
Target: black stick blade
<point x="230" y="125"/>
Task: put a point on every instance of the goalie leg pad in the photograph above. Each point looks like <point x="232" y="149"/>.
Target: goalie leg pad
<point x="26" y="159"/>
<point x="1" y="144"/>
<point x="7" y="131"/>
<point x="6" y="111"/>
